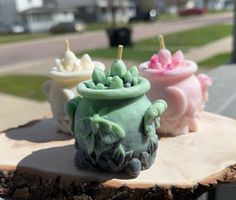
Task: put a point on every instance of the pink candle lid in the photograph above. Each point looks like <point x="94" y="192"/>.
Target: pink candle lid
<point x="165" y="64"/>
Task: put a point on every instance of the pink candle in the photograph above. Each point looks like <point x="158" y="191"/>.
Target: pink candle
<point x="172" y="78"/>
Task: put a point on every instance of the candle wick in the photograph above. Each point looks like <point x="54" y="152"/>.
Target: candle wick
<point x="120" y="52"/>
<point x="67" y="45"/>
<point x="162" y="42"/>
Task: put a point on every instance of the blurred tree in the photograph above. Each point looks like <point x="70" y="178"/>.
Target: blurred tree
<point x="233" y="60"/>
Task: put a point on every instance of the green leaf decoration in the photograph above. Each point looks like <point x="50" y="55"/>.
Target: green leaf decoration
<point x="134" y="71"/>
<point x="71" y="105"/>
<point x="101" y="147"/>
<point x="94" y="126"/>
<point x="90" y="143"/>
<point x="152" y="146"/>
<point x="118" y="68"/>
<point x="152" y="114"/>
<point x="98" y="76"/>
<point x="128" y="77"/>
<point x="109" y="132"/>
<point x="116" y="83"/>
<point x="84" y="128"/>
<point x="128" y="155"/>
<point x="135" y="81"/>
<point x="90" y="85"/>
<point x="119" y="155"/>
<point x="85" y="132"/>
<point x="70" y="109"/>
<point x="109" y="137"/>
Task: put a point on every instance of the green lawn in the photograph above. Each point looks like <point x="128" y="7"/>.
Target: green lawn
<point x="215" y="61"/>
<point x="185" y="40"/>
<point x="31" y="86"/>
<point x="23" y="86"/>
<point x="8" y="38"/>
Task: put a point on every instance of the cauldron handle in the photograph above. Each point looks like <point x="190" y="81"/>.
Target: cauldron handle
<point x="70" y="109"/>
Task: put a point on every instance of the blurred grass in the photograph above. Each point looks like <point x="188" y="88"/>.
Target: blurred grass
<point x="185" y="40"/>
<point x="29" y="86"/>
<point x="26" y="86"/>
<point x="215" y="61"/>
<point x="168" y="17"/>
<point x="9" y="38"/>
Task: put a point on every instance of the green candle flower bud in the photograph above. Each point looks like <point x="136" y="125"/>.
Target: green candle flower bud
<point x="118" y="68"/>
<point x="90" y="85"/>
<point x="128" y="77"/>
<point x="116" y="83"/>
<point x="100" y="86"/>
<point x="98" y="76"/>
<point x="134" y="71"/>
<point x="135" y="81"/>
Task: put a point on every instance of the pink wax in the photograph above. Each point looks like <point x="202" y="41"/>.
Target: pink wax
<point x="174" y="81"/>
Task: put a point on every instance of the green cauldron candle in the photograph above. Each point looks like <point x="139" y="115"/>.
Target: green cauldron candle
<point x="113" y="122"/>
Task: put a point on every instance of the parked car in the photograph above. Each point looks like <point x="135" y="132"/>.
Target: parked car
<point x="150" y="15"/>
<point x="192" y="11"/>
<point x="67" y="27"/>
<point x="17" y="28"/>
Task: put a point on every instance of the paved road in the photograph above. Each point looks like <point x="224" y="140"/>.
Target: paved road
<point x="52" y="47"/>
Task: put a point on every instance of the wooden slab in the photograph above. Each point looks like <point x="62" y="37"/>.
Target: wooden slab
<point x="186" y="165"/>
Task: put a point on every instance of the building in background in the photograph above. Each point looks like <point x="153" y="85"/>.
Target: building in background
<point x="43" y="18"/>
<point x="100" y="10"/>
<point x="173" y="6"/>
<point x="10" y="11"/>
<point x="33" y="15"/>
<point x="41" y="15"/>
<point x="220" y="4"/>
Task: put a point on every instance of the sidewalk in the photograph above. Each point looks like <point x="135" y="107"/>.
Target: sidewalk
<point x="16" y="111"/>
<point x="207" y="51"/>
